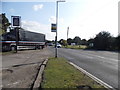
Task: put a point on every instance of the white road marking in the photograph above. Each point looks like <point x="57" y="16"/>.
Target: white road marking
<point x="111" y="59"/>
<point x="1" y="86"/>
<point x="93" y="77"/>
<point x="13" y="83"/>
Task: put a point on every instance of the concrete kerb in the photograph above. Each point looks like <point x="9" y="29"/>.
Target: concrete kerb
<point x="39" y="78"/>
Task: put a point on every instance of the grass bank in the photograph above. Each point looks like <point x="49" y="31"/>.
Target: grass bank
<point x="60" y="74"/>
<point x="76" y="46"/>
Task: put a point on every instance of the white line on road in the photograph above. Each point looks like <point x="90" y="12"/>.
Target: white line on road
<point x="13" y="83"/>
<point x="102" y="57"/>
<point x="93" y="77"/>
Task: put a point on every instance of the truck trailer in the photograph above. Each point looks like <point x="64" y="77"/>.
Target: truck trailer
<point x="26" y="39"/>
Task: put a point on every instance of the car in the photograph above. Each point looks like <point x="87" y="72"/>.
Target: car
<point x="59" y="45"/>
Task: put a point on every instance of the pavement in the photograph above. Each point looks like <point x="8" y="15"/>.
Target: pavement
<point x="20" y="70"/>
<point x="101" y="64"/>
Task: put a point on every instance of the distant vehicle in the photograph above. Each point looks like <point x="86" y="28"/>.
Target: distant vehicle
<point x="50" y="44"/>
<point x="59" y="45"/>
<point x="25" y="39"/>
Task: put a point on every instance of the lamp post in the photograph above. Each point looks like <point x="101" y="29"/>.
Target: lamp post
<point x="56" y="27"/>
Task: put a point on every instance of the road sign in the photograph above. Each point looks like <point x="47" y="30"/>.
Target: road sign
<point x="53" y="27"/>
<point x="15" y="21"/>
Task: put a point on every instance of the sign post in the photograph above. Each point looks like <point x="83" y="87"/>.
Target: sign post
<point x="16" y="20"/>
<point x="53" y="27"/>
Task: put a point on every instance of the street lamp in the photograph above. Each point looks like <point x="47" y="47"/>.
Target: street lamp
<point x="56" y="26"/>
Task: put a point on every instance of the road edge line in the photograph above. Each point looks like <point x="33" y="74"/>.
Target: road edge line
<point x="93" y="77"/>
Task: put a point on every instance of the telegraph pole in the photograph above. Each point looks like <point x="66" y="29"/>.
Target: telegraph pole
<point x="67" y="35"/>
<point x="67" y="32"/>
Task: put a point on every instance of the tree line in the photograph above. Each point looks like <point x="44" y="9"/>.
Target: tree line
<point x="102" y="41"/>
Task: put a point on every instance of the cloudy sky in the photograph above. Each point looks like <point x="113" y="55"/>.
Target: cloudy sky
<point x="85" y="18"/>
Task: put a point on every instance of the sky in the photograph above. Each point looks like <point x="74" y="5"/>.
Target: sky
<point x="85" y="18"/>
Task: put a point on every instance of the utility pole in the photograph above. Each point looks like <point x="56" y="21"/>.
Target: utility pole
<point x="67" y="35"/>
<point x="67" y="32"/>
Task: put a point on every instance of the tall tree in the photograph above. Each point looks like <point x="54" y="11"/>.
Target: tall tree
<point x="69" y="41"/>
<point x="102" y="40"/>
<point x="83" y="42"/>
<point x="77" y="40"/>
<point x="118" y="42"/>
<point x="64" y="42"/>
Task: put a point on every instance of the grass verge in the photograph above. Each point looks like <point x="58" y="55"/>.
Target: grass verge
<point x="76" y="46"/>
<point x="60" y="74"/>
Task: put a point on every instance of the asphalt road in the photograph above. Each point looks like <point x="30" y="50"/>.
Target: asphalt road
<point x="102" y="64"/>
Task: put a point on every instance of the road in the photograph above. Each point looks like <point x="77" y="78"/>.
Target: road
<point x="102" y="64"/>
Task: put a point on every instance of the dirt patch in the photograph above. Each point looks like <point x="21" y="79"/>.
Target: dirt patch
<point x="19" y="76"/>
<point x="20" y="70"/>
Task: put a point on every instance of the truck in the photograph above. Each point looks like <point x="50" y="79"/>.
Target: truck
<point x="26" y="39"/>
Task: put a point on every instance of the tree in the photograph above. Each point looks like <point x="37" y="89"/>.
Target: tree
<point x="91" y="40"/>
<point x="60" y="41"/>
<point x="102" y="41"/>
<point x="64" y="42"/>
<point x="4" y="23"/>
<point x="69" y="41"/>
<point x="77" y="40"/>
<point x="83" y="42"/>
<point x="113" y="44"/>
<point x="118" y="42"/>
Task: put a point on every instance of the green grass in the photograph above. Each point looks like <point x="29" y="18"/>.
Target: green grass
<point x="76" y="46"/>
<point x="59" y="74"/>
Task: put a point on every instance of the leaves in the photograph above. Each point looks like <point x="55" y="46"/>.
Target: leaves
<point x="4" y="23"/>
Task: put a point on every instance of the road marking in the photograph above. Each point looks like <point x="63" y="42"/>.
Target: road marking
<point x="111" y="59"/>
<point x="1" y="86"/>
<point x="89" y="57"/>
<point x="93" y="77"/>
<point x="11" y="84"/>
